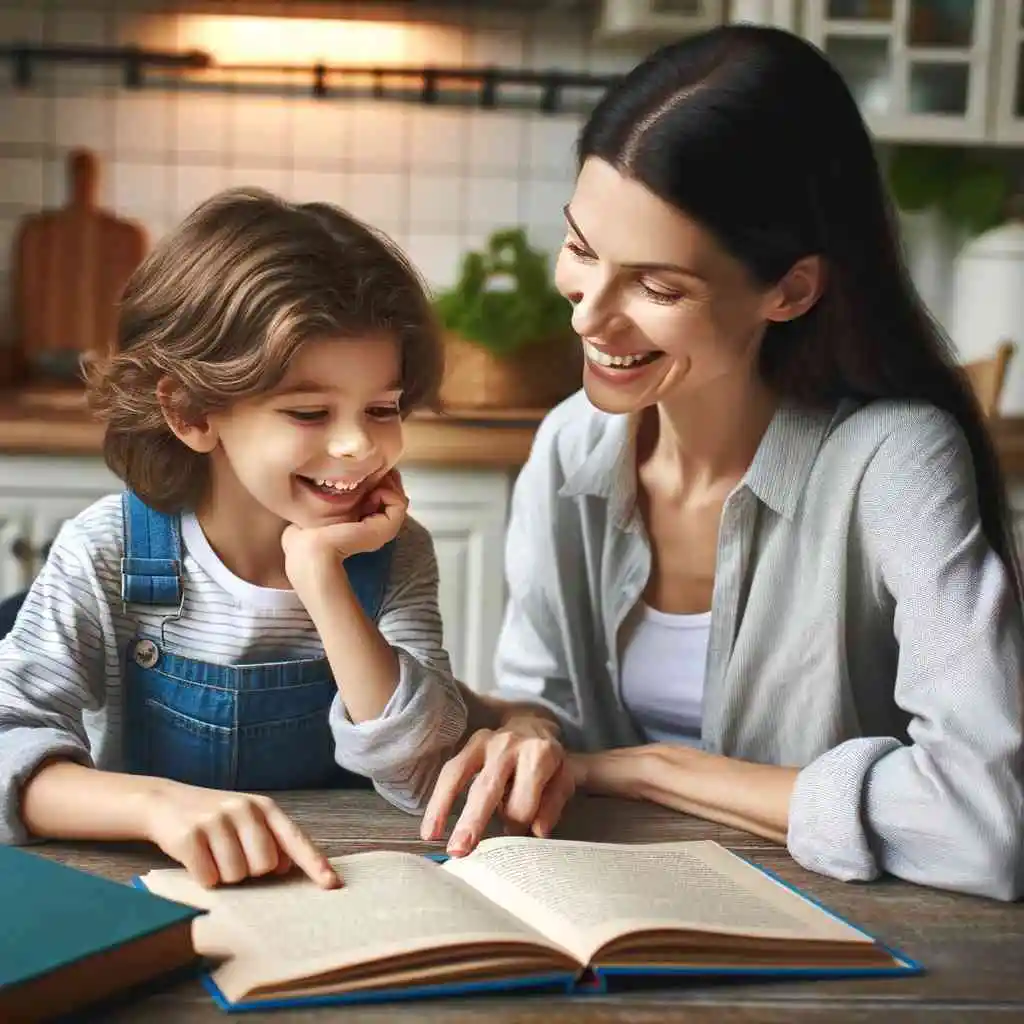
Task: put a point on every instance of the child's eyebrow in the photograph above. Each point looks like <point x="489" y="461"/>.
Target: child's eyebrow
<point x="311" y="387"/>
<point x="302" y="387"/>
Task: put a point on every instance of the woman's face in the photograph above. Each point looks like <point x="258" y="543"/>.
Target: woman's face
<point x="663" y="312"/>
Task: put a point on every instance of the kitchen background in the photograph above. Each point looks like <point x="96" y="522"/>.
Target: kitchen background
<point x="440" y="178"/>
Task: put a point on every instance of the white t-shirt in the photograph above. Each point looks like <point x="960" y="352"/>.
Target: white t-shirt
<point x="663" y="674"/>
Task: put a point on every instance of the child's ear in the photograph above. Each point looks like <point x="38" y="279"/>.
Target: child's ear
<point x="199" y="434"/>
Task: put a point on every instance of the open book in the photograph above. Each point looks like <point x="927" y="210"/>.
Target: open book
<point x="515" y="912"/>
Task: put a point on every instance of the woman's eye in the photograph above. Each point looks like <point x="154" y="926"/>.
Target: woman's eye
<point x="384" y="412"/>
<point x="579" y="252"/>
<point x="658" y="295"/>
<point x="306" y="415"/>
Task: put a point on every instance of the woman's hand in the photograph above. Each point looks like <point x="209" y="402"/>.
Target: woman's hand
<point x="377" y="522"/>
<point x="225" y="837"/>
<point x="522" y="772"/>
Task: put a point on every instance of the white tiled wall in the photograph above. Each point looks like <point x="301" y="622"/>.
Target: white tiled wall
<point x="439" y="180"/>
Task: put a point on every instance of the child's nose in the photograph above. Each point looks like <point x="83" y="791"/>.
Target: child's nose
<point x="349" y="444"/>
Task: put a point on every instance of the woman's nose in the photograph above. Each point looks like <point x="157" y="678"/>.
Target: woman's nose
<point x="591" y="312"/>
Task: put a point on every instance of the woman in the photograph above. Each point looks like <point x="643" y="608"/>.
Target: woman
<point x="762" y="571"/>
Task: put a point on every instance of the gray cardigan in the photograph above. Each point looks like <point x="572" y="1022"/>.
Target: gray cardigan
<point x="862" y="630"/>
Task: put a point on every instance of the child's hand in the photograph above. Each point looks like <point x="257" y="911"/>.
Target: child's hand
<point x="379" y="521"/>
<point x="226" y="837"/>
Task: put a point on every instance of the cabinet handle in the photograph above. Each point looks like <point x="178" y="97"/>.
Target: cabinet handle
<point x="26" y="555"/>
<point x="22" y="551"/>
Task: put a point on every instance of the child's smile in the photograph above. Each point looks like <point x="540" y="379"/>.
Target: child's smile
<point x="340" y="496"/>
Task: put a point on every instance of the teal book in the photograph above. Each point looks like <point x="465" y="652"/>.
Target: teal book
<point x="516" y="914"/>
<point x="69" y="938"/>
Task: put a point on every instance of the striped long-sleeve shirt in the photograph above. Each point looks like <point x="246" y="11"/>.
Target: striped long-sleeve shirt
<point x="62" y="664"/>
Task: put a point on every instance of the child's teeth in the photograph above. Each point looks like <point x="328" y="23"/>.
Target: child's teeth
<point x="337" y="485"/>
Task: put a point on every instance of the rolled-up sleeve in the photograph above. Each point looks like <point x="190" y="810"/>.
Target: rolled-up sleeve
<point x="947" y="808"/>
<point x="402" y="750"/>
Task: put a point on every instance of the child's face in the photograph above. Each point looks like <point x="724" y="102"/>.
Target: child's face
<point x="311" y="450"/>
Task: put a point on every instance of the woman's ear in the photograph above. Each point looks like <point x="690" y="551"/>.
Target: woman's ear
<point x="200" y="435"/>
<point x="799" y="289"/>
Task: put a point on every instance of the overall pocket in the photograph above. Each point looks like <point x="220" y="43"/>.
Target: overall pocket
<point x="174" y="728"/>
<point x="285" y="739"/>
<point x="176" y="746"/>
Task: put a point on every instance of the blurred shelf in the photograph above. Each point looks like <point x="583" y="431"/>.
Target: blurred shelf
<point x="54" y="420"/>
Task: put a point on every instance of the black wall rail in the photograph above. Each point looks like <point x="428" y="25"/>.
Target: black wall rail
<point x="549" y="91"/>
<point x="133" y="60"/>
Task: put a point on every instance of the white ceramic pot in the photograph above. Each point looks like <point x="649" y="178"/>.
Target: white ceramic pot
<point x="987" y="303"/>
<point x="930" y="245"/>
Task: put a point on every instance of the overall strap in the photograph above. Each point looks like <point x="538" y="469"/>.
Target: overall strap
<point x="151" y="566"/>
<point x="368" y="574"/>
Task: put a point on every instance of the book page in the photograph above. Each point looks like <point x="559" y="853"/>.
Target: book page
<point x="583" y="895"/>
<point x="277" y="930"/>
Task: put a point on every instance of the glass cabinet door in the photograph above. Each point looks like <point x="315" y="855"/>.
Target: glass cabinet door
<point x="1009" y="126"/>
<point x="918" y="68"/>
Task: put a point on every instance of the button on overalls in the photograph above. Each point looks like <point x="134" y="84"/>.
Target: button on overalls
<point x="230" y="727"/>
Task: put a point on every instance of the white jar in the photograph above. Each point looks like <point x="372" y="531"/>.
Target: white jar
<point x="987" y="303"/>
<point x="930" y="245"/>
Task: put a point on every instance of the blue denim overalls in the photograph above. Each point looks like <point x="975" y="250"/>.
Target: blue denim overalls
<point x="231" y="727"/>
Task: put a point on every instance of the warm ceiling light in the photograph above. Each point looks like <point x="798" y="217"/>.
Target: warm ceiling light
<point x="245" y="40"/>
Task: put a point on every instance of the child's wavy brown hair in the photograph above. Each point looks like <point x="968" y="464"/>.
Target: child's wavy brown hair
<point x="221" y="306"/>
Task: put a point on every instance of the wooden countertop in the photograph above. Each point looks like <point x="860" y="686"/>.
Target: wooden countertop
<point x="50" y="421"/>
<point x="55" y="421"/>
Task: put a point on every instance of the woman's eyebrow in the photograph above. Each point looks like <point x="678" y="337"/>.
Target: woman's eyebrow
<point x="674" y="268"/>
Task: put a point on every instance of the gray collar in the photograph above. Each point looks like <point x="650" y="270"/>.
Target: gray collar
<point x="777" y="475"/>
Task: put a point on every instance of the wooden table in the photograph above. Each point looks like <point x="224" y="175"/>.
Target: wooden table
<point x="973" y="949"/>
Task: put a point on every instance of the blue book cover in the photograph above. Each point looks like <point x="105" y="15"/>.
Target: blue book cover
<point x="69" y="938"/>
<point x="519" y="914"/>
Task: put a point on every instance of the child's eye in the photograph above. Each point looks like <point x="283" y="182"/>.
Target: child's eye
<point x="383" y="412"/>
<point x="306" y="415"/>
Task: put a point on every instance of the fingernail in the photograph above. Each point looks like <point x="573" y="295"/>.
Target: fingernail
<point x="427" y="829"/>
<point x="460" y="842"/>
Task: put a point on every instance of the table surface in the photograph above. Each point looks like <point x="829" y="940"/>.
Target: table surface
<point x="972" y="948"/>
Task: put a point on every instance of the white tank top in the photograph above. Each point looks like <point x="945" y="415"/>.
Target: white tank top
<point x="663" y="674"/>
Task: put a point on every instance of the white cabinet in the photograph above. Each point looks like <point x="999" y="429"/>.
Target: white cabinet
<point x="631" y="19"/>
<point x="921" y="70"/>
<point x="464" y="511"/>
<point x="938" y="71"/>
<point x="775" y="13"/>
<point x="36" y="496"/>
<point x="1009" y="108"/>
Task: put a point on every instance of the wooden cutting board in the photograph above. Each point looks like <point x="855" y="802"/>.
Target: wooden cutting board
<point x="70" y="268"/>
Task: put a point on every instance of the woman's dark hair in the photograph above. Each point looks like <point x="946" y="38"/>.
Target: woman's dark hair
<point x="753" y="133"/>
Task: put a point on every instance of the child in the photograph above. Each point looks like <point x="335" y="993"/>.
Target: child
<point x="255" y="612"/>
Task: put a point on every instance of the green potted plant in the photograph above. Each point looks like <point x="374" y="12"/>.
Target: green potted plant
<point x="966" y="188"/>
<point x="509" y="338"/>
